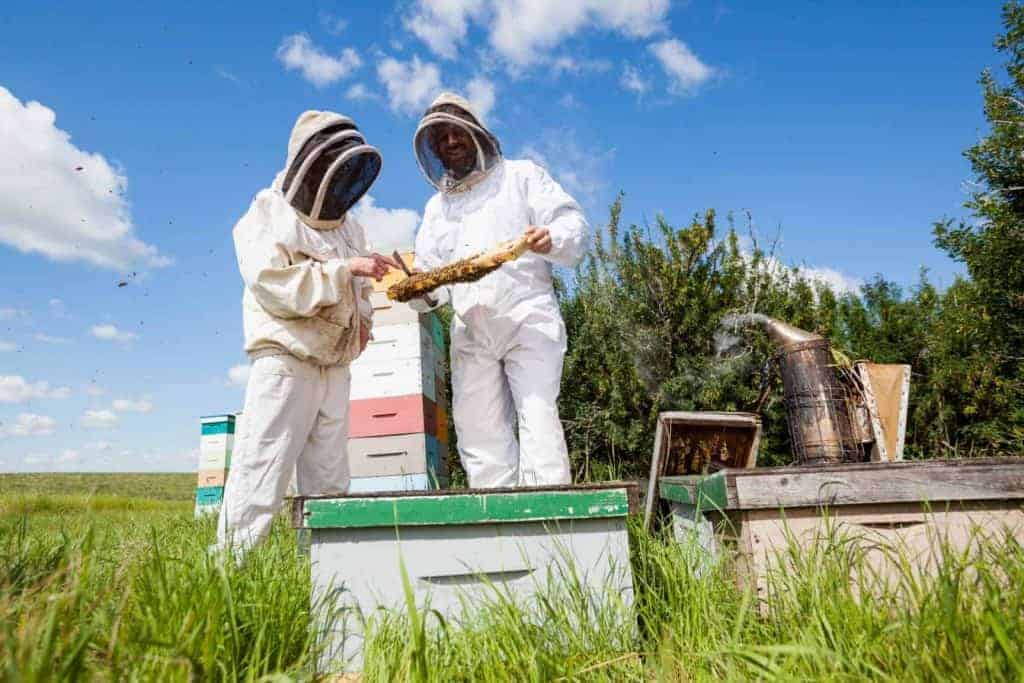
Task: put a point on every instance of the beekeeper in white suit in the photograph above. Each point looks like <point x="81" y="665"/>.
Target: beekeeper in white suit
<point x="306" y="315"/>
<point x="508" y="338"/>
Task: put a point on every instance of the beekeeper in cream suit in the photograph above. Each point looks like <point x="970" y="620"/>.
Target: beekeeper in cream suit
<point x="508" y="338"/>
<point x="306" y="315"/>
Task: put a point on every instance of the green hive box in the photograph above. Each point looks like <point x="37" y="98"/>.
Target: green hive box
<point x="459" y="547"/>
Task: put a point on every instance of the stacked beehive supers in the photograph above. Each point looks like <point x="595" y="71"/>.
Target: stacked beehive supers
<point x="398" y="410"/>
<point x="216" y="441"/>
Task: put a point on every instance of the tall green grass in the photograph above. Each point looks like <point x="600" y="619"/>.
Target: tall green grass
<point x="116" y="594"/>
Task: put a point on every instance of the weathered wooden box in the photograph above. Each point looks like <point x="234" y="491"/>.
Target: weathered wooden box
<point x="911" y="507"/>
<point x="691" y="442"/>
<point x="460" y="548"/>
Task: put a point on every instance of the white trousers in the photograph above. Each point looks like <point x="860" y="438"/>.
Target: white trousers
<point x="490" y="393"/>
<point x="295" y="421"/>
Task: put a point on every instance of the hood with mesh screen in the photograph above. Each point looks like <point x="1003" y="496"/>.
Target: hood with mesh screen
<point x="450" y="110"/>
<point x="330" y="167"/>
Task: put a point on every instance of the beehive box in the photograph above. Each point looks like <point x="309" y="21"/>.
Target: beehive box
<point x="424" y="481"/>
<point x="378" y="456"/>
<point x="413" y="414"/>
<point x="216" y="442"/>
<point x="385" y="379"/>
<point x="461" y="546"/>
<point x="908" y="507"/>
<point x="694" y="442"/>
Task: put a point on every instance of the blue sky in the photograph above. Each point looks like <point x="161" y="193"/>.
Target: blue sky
<point x="134" y="138"/>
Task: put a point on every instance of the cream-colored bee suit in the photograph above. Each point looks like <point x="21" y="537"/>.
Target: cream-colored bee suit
<point x="302" y="311"/>
<point x="508" y="338"/>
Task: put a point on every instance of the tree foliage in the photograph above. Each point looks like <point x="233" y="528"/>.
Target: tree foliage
<point x="645" y="318"/>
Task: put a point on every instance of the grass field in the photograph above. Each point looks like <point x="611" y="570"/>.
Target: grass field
<point x="106" y="577"/>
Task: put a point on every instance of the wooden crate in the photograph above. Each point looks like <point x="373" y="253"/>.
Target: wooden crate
<point x="691" y="442"/>
<point x="907" y="506"/>
<point x="459" y="547"/>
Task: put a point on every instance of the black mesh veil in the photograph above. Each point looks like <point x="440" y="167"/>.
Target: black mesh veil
<point x="435" y="123"/>
<point x="333" y="169"/>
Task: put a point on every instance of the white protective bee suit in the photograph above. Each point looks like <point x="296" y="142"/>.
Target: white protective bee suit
<point x="302" y="311"/>
<point x="507" y="338"/>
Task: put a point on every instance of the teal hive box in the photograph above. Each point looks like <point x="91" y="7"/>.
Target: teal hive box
<point x="209" y="495"/>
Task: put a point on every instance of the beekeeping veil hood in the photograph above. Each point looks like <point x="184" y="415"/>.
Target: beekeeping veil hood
<point x="446" y="111"/>
<point x="329" y="168"/>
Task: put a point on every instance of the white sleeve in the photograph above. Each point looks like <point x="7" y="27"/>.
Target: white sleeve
<point x="429" y="256"/>
<point x="285" y="287"/>
<point x="552" y="207"/>
<point x="363" y="285"/>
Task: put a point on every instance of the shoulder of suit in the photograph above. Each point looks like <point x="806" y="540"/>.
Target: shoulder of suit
<point x="433" y="206"/>
<point x="523" y="167"/>
<point x="268" y="214"/>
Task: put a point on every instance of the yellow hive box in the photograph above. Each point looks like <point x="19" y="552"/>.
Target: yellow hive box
<point x="394" y="275"/>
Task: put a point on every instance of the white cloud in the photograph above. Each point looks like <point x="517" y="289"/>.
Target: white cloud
<point x="91" y="222"/>
<point x="523" y="31"/>
<point x="566" y="64"/>
<point x="578" y="170"/>
<point x="94" y="390"/>
<point x="47" y="339"/>
<point x="684" y="69"/>
<point x="14" y="389"/>
<point x="30" y="424"/>
<point x="123" y="405"/>
<point x="9" y="313"/>
<point x="774" y="267"/>
<point x="839" y="282"/>
<point x="238" y="375"/>
<point x="360" y="93"/>
<point x="632" y="80"/>
<point x="227" y="75"/>
<point x="100" y="419"/>
<point x="442" y="24"/>
<point x="387" y="229"/>
<point x="7" y="347"/>
<point x="111" y="333"/>
<point x="411" y="85"/>
<point x="103" y="446"/>
<point x="298" y="53"/>
<point x="333" y="24"/>
<point x="480" y="92"/>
